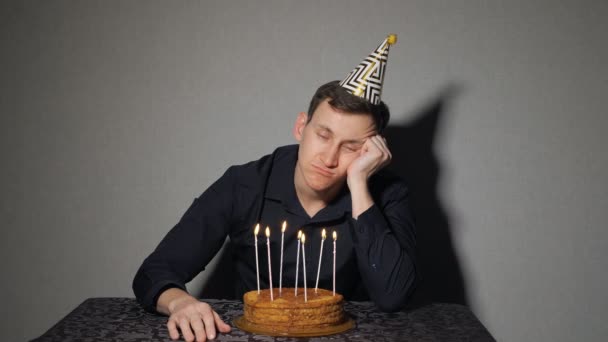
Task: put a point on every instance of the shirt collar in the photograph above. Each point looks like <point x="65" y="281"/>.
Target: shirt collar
<point x="281" y="188"/>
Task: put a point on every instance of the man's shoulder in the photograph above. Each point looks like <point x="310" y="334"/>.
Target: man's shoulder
<point x="259" y="169"/>
<point x="387" y="184"/>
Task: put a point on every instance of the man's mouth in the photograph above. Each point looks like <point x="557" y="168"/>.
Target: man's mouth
<point x="323" y="171"/>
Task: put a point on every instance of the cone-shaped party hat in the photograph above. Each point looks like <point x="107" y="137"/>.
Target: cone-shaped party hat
<point x="366" y="79"/>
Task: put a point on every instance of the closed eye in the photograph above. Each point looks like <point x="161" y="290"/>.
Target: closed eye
<point x="351" y="148"/>
<point x="323" y="136"/>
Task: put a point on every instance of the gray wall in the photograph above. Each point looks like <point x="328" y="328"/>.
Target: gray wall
<point x="115" y="115"/>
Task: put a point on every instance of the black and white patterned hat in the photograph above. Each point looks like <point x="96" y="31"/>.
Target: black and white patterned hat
<point x="366" y="79"/>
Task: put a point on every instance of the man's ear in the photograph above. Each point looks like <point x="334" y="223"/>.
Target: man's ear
<point x="298" y="126"/>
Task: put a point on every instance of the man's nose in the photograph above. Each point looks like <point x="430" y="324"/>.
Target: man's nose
<point x="331" y="157"/>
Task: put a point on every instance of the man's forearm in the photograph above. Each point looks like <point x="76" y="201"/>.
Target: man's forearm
<point x="388" y="272"/>
<point x="360" y="196"/>
<point x="385" y="246"/>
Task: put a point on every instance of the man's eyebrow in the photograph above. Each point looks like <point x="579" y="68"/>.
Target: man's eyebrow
<point x="355" y="142"/>
<point x="325" y="128"/>
<point x="351" y="141"/>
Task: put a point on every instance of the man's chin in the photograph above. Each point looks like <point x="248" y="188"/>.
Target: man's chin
<point x="323" y="185"/>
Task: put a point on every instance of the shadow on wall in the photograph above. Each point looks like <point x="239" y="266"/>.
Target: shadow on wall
<point x="221" y="280"/>
<point x="414" y="159"/>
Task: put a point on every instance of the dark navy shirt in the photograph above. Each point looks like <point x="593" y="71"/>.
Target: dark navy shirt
<point x="374" y="252"/>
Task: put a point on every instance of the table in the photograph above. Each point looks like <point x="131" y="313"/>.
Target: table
<point x="122" y="319"/>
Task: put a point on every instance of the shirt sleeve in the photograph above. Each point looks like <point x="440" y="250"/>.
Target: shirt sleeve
<point x="189" y="246"/>
<point x="385" y="245"/>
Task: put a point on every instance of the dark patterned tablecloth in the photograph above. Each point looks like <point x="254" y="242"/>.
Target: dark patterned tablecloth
<point x="122" y="319"/>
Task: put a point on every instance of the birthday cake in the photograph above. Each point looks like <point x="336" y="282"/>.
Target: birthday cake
<point x="322" y="313"/>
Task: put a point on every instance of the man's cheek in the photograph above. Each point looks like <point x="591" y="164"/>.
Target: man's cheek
<point x="347" y="161"/>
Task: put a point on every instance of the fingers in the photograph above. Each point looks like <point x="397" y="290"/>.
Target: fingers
<point x="221" y="325"/>
<point x="184" y="326"/>
<point x="199" y="329"/>
<point x="374" y="156"/>
<point x="209" y="324"/>
<point x="379" y="142"/>
<point x="196" y="322"/>
<point x="187" y="325"/>
<point x="172" y="327"/>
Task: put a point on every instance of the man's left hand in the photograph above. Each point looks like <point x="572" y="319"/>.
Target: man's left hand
<point x="374" y="155"/>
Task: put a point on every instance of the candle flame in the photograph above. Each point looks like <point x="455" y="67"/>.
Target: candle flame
<point x="284" y="227"/>
<point x="323" y="234"/>
<point x="257" y="229"/>
<point x="299" y="234"/>
<point x="267" y="231"/>
<point x="303" y="238"/>
<point x="335" y="235"/>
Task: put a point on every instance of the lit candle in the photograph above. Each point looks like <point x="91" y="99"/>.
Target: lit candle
<point x="323" y="235"/>
<point x="281" y="268"/>
<point x="269" y="264"/>
<point x="257" y="264"/>
<point x="297" y="262"/>
<point x="304" y="267"/>
<point x="335" y="235"/>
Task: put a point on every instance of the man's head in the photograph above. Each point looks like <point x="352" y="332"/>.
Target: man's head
<point x="331" y="136"/>
<point x="340" y="99"/>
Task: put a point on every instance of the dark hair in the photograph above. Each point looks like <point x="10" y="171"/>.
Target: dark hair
<point x="341" y="99"/>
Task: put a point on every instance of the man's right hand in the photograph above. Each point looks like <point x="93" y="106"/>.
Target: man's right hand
<point x="195" y="319"/>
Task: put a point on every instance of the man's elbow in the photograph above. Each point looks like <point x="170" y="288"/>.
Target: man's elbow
<point x="392" y="301"/>
<point x="388" y="304"/>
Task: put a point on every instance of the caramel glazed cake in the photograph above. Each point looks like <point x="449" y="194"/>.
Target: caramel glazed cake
<point x="288" y="314"/>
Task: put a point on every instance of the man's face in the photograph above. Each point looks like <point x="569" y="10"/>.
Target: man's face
<point x="329" y="143"/>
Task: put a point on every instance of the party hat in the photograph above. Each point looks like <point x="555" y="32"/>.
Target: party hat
<point x="366" y="79"/>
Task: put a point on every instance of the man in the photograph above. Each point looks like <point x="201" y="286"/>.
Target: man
<point x="332" y="179"/>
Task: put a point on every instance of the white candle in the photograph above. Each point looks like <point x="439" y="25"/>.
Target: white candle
<point x="335" y="235"/>
<point x="257" y="264"/>
<point x="297" y="262"/>
<point x="304" y="267"/>
<point x="323" y="235"/>
<point x="269" y="263"/>
<point x="281" y="267"/>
